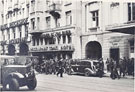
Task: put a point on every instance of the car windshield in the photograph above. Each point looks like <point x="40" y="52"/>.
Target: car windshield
<point x="23" y="60"/>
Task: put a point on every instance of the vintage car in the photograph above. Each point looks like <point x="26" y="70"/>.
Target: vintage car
<point x="84" y="67"/>
<point x="17" y="71"/>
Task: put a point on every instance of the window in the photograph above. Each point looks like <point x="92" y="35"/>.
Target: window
<point x="26" y="31"/>
<point x="14" y="33"/>
<point x="37" y="41"/>
<point x="20" y="32"/>
<point x="38" y="21"/>
<point x="32" y="5"/>
<point x="41" y="39"/>
<point x="45" y="41"/>
<point x="68" y="18"/>
<point x="8" y="34"/>
<point x="33" y="24"/>
<point x="48" y="22"/>
<point x="23" y="12"/>
<point x="3" y="35"/>
<point x="131" y="46"/>
<point x="34" y="41"/>
<point x="69" y="38"/>
<point x="64" y="39"/>
<point x="131" y="11"/>
<point x="95" y="18"/>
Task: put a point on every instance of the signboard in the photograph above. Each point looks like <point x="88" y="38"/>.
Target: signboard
<point x="51" y="48"/>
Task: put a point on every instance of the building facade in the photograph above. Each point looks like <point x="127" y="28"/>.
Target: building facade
<point x="14" y="27"/>
<point x="54" y="29"/>
<point x="99" y="38"/>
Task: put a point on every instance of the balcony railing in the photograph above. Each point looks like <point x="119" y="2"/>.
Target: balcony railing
<point x="15" y="6"/>
<point x="3" y="27"/>
<point x="94" y="29"/>
<point x="54" y="10"/>
<point x="55" y="7"/>
<point x="9" y="9"/>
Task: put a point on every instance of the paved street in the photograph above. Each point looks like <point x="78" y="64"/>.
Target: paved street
<point x="74" y="83"/>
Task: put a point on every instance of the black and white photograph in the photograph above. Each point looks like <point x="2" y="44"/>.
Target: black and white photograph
<point x="67" y="45"/>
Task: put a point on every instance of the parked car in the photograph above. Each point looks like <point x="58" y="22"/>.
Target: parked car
<point x="84" y="67"/>
<point x="17" y="71"/>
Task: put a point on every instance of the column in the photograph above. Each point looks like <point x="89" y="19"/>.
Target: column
<point x="66" y="38"/>
<point x="6" y="35"/>
<point x="61" y="39"/>
<point x="23" y="30"/>
<point x="11" y="33"/>
<point x="56" y="40"/>
<point x="39" y="41"/>
<point x="43" y="41"/>
<point x="17" y="48"/>
<point x="17" y="35"/>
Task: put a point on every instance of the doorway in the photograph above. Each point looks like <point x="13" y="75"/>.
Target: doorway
<point x="114" y="54"/>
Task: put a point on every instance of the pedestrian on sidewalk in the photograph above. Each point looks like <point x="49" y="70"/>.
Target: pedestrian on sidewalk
<point x="60" y="70"/>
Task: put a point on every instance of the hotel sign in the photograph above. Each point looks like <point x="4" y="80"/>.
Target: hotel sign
<point x="51" y="48"/>
<point x="15" y="23"/>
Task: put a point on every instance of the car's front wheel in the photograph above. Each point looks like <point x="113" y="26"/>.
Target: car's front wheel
<point x="32" y="84"/>
<point x="13" y="84"/>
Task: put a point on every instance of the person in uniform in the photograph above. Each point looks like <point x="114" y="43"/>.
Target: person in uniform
<point x="60" y="70"/>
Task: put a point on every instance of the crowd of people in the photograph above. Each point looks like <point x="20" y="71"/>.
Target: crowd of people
<point x="120" y="67"/>
<point x="117" y="69"/>
<point x="53" y="67"/>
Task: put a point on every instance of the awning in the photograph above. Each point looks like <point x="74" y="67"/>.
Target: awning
<point x="36" y="32"/>
<point x="128" y="28"/>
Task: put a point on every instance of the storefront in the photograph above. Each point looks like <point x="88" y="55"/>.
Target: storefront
<point x="52" y="45"/>
<point x="126" y="43"/>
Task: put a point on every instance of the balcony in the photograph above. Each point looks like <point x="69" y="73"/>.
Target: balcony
<point x="5" y="26"/>
<point x="16" y="7"/>
<point x="9" y="9"/>
<point x="54" y="10"/>
<point x="94" y="29"/>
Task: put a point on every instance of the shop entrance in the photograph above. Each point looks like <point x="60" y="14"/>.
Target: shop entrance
<point x="93" y="50"/>
<point x="23" y="49"/>
<point x="114" y="54"/>
<point x="11" y="49"/>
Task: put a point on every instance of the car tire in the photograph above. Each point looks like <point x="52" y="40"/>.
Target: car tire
<point x="32" y="84"/>
<point x="13" y="84"/>
<point x="87" y="73"/>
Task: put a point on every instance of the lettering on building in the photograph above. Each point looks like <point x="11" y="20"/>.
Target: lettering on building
<point x="52" y="48"/>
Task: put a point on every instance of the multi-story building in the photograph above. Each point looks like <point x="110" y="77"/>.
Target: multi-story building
<point x="14" y="27"/>
<point x="55" y="29"/>
<point x="100" y="24"/>
<point x="68" y="29"/>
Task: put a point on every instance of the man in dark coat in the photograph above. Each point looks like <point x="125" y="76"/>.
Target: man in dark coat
<point x="61" y="70"/>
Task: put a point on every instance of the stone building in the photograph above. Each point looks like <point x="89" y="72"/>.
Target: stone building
<point x="68" y="29"/>
<point x="14" y="27"/>
<point x="55" y="27"/>
<point x="100" y="22"/>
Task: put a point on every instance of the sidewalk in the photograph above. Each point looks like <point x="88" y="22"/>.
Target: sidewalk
<point x="107" y="74"/>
